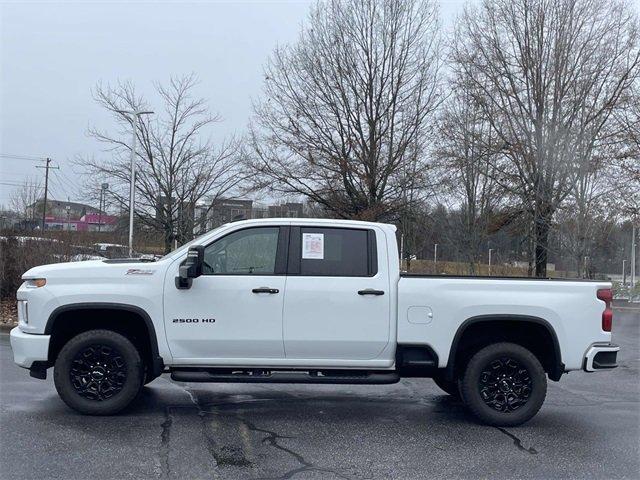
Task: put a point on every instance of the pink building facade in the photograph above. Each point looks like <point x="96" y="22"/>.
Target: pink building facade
<point x="90" y="222"/>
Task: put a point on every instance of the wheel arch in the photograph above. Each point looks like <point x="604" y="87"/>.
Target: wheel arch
<point x="66" y="313"/>
<point x="553" y="367"/>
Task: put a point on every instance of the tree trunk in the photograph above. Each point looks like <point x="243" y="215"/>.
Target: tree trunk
<point x="542" y="242"/>
<point x="168" y="240"/>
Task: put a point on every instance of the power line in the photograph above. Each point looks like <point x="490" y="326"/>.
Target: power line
<point x="69" y="180"/>
<point x="32" y="158"/>
<point x="15" y="184"/>
<point x="17" y="174"/>
<point x="55" y="187"/>
<point x="61" y="180"/>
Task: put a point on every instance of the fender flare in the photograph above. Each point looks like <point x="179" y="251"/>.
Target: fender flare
<point x="157" y="362"/>
<point x="557" y="369"/>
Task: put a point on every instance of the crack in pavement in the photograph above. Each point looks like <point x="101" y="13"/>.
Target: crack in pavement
<point x="517" y="442"/>
<point x="165" y="436"/>
<point x="228" y="456"/>
<point x="271" y="439"/>
<point x="220" y="457"/>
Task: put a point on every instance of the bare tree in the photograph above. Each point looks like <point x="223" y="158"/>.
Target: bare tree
<point x="24" y="199"/>
<point x="598" y="184"/>
<point x="549" y="75"/>
<point x="627" y="182"/>
<point x="179" y="168"/>
<point x="345" y="110"/>
<point x="465" y="154"/>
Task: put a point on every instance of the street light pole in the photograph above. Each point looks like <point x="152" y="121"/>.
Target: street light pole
<point x="132" y="187"/>
<point x="435" y="255"/>
<point x="633" y="255"/>
<point x="133" y="117"/>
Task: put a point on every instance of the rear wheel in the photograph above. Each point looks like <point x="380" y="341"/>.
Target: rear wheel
<point x="447" y="386"/>
<point x="504" y="384"/>
<point x="98" y="372"/>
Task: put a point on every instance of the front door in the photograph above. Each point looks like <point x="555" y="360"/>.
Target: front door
<point x="337" y="305"/>
<point x="234" y="310"/>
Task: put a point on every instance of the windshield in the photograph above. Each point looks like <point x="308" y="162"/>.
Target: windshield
<point x="188" y="244"/>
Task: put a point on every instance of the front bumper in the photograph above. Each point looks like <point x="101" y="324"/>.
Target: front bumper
<point x="29" y="348"/>
<point x="601" y="356"/>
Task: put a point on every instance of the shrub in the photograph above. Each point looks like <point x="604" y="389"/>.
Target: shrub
<point x="19" y="254"/>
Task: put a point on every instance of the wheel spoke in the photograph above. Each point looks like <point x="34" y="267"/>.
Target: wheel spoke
<point x="505" y="384"/>
<point x="98" y="372"/>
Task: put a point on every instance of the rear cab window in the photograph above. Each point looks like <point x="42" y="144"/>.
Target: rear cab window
<point x="335" y="252"/>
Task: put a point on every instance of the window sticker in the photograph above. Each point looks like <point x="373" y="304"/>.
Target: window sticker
<point x="313" y="246"/>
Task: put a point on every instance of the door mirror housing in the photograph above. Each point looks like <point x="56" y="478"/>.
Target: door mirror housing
<point x="191" y="268"/>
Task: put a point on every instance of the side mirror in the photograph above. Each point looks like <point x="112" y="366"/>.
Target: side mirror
<point x="191" y="268"/>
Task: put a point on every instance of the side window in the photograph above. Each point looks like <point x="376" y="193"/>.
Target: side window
<point x="338" y="252"/>
<point x="245" y="252"/>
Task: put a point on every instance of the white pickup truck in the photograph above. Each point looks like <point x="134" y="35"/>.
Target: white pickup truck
<point x="305" y="301"/>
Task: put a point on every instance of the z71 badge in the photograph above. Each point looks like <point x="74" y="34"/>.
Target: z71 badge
<point x="194" y="320"/>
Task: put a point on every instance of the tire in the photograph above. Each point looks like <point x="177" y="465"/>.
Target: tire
<point x="504" y="385"/>
<point x="98" y="372"/>
<point x="450" y="387"/>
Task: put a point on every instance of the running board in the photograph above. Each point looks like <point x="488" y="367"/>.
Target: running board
<point x="276" y="376"/>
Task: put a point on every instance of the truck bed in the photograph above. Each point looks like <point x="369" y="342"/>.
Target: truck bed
<point x="434" y="307"/>
<point x="496" y="277"/>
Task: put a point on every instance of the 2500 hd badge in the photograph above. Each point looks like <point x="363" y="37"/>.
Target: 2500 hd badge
<point x="194" y="320"/>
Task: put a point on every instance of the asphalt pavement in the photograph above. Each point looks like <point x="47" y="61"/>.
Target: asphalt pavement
<point x="589" y="427"/>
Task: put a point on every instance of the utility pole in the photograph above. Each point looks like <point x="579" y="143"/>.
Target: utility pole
<point x="46" y="188"/>
<point x="133" y="116"/>
<point x="103" y="189"/>
<point x="624" y="273"/>
<point x="68" y="209"/>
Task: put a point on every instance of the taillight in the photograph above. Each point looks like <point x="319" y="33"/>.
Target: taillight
<point x="606" y="295"/>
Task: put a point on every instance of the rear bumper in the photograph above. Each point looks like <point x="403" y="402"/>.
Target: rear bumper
<point x="601" y="356"/>
<point x="29" y="348"/>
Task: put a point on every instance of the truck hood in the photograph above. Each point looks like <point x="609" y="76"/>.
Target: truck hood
<point x="90" y="268"/>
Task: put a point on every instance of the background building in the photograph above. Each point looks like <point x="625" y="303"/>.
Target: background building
<point x="73" y="216"/>
<point x="225" y="210"/>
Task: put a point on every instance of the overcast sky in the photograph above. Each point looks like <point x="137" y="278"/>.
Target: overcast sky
<point x="53" y="53"/>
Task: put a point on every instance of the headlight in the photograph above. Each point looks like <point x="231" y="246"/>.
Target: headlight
<point x="35" y="282"/>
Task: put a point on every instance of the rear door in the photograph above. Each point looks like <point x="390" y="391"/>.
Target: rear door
<point x="337" y="303"/>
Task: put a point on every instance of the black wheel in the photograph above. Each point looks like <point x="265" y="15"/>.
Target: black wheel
<point x="98" y="372"/>
<point x="447" y="386"/>
<point x="504" y="385"/>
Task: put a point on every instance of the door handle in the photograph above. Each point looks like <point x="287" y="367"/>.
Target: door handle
<point x="265" y="290"/>
<point x="370" y="291"/>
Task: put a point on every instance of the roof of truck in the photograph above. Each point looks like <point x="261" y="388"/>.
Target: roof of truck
<point x="313" y="221"/>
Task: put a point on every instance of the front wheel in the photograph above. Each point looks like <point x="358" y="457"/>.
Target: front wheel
<point x="98" y="372"/>
<point x="504" y="385"/>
